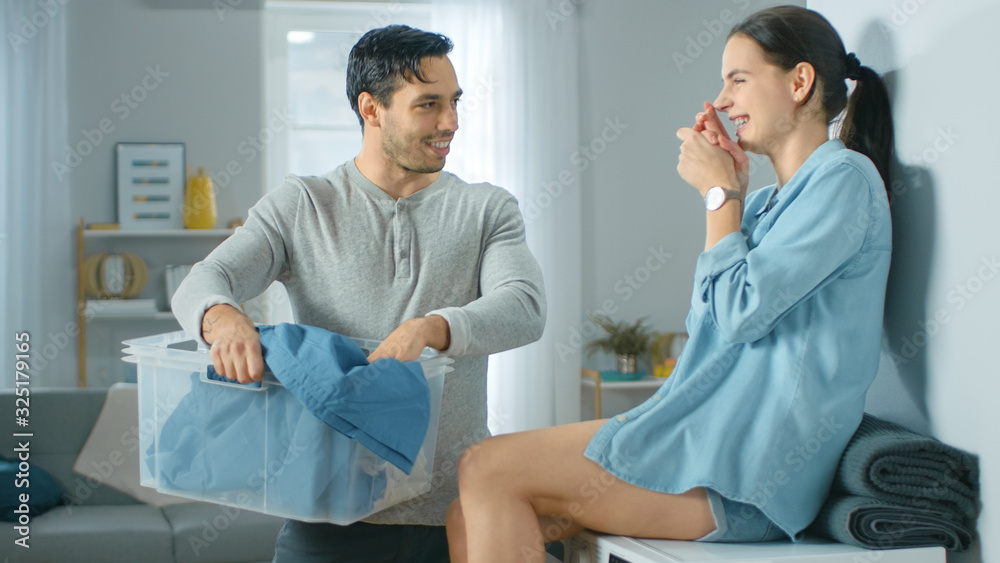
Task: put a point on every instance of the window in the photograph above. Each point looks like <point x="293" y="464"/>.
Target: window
<point x="308" y="44"/>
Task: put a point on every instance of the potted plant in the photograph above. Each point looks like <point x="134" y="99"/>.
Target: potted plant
<point x="626" y="341"/>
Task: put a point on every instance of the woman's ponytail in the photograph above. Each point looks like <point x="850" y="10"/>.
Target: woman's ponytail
<point x="867" y="126"/>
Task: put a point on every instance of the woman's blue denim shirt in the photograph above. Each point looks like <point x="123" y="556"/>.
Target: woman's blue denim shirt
<point x="785" y="332"/>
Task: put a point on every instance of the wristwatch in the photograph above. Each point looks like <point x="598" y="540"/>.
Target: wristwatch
<point x="716" y="196"/>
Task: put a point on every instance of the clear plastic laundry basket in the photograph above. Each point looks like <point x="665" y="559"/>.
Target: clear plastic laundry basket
<point x="260" y="449"/>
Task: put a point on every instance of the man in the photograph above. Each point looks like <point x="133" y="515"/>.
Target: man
<point x="386" y="246"/>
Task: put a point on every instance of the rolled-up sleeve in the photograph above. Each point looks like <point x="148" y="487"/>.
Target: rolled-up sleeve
<point x="511" y="309"/>
<point x="747" y="291"/>
<point x="243" y="266"/>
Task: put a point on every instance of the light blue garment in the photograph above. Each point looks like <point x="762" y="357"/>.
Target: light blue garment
<point x="220" y="441"/>
<point x="785" y="330"/>
<point x="384" y="405"/>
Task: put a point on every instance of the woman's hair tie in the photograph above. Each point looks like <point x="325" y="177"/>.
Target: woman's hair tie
<point x="853" y="66"/>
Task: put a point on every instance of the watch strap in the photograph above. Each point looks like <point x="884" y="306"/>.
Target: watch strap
<point x="729" y="194"/>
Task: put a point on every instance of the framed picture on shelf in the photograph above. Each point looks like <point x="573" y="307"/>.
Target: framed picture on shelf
<point x="150" y="178"/>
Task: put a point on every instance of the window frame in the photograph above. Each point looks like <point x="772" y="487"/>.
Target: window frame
<point x="282" y="16"/>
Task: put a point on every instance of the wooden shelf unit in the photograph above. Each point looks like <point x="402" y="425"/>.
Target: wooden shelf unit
<point x="109" y="236"/>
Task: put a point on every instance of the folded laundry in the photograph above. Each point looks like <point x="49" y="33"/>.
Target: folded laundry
<point x="896" y="488"/>
<point x="213" y="440"/>
<point x="874" y="524"/>
<point x="202" y="444"/>
<point x="384" y="405"/>
<point x="895" y="464"/>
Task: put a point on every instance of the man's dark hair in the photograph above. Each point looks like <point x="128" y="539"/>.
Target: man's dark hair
<point x="384" y="57"/>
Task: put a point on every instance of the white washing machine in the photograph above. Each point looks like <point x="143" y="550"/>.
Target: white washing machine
<point x="589" y="547"/>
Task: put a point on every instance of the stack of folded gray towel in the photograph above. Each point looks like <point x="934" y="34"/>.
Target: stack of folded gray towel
<point x="895" y="488"/>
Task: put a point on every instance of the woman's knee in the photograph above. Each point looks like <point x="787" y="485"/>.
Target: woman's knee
<point x="482" y="465"/>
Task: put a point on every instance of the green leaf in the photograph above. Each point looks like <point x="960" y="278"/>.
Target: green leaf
<point x="622" y="338"/>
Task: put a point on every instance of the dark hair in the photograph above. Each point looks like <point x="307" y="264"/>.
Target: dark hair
<point x="790" y="35"/>
<point x="385" y="56"/>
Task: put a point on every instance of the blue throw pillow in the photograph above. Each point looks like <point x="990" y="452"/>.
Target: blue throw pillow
<point x="42" y="490"/>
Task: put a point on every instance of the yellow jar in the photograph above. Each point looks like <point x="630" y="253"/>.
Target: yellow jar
<point x="199" y="202"/>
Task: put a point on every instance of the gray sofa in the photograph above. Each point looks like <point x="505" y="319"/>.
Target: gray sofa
<point x="104" y="525"/>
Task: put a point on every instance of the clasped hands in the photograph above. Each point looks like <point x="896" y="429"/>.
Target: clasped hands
<point x="710" y="157"/>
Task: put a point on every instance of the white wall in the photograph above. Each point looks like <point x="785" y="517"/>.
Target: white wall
<point x="648" y="65"/>
<point x="191" y="73"/>
<point x="944" y="291"/>
<point x="208" y="93"/>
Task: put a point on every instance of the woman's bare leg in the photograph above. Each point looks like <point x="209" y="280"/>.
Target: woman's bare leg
<point x="455" y="526"/>
<point x="507" y="481"/>
<point x="553" y="529"/>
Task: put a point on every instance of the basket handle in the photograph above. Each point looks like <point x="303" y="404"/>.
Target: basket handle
<point x="209" y="375"/>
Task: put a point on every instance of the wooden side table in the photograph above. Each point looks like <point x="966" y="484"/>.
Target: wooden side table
<point x="592" y="378"/>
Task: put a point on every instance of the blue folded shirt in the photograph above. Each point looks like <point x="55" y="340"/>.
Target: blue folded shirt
<point x="384" y="405"/>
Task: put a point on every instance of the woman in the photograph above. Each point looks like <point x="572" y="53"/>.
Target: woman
<point x="741" y="443"/>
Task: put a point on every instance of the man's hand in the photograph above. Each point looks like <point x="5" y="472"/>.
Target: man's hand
<point x="407" y="342"/>
<point x="236" y="352"/>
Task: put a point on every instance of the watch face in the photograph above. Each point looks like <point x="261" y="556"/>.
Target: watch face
<point x="714" y="198"/>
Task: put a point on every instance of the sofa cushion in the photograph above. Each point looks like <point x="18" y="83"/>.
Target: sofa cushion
<point x="61" y="420"/>
<point x="41" y="489"/>
<point x="111" y="453"/>
<point x="85" y="534"/>
<point x="206" y="533"/>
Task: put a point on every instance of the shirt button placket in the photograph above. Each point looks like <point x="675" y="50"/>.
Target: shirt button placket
<point x="403" y="239"/>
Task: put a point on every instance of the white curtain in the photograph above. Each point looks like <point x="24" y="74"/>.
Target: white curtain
<point x="36" y="251"/>
<point x="516" y="62"/>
